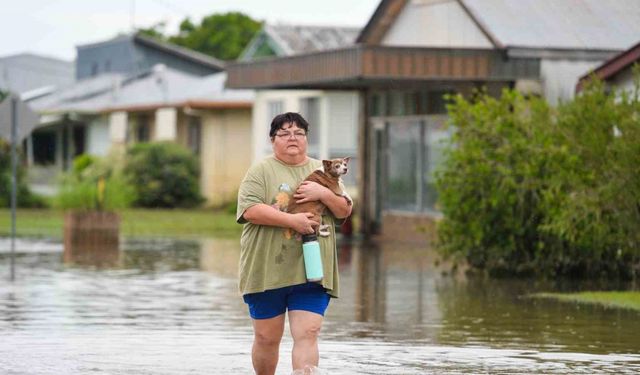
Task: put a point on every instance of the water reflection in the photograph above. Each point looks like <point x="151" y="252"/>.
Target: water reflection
<point x="166" y="306"/>
<point x="96" y="256"/>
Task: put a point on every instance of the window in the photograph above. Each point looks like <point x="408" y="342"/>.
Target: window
<point x="437" y="102"/>
<point x="194" y="134"/>
<point x="434" y="140"/>
<point x="310" y="110"/>
<point x="414" y="150"/>
<point x="377" y="103"/>
<point x="403" y="165"/>
<point x="408" y="103"/>
<point x="142" y="128"/>
<point x="44" y="147"/>
<point x="396" y="106"/>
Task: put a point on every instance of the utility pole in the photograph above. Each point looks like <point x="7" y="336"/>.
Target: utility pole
<point x="14" y="163"/>
<point x="133" y="15"/>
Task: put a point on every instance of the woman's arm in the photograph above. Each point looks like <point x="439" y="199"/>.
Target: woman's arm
<point x="308" y="191"/>
<point x="263" y="214"/>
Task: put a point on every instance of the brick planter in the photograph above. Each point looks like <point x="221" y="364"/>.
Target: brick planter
<point x="91" y="238"/>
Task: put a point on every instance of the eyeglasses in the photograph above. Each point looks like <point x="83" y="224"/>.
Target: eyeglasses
<point x="287" y="135"/>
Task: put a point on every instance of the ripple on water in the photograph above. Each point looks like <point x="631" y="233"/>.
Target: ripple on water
<point x="171" y="307"/>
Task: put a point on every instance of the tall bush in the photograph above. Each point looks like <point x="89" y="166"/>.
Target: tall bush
<point x="593" y="200"/>
<point x="526" y="188"/>
<point x="164" y="175"/>
<point x="95" y="184"/>
<point x="24" y="196"/>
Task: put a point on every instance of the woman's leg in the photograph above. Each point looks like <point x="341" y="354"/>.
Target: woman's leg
<point x="266" y="344"/>
<point x="305" y="328"/>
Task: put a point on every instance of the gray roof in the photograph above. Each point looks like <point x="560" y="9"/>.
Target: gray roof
<point x="561" y="24"/>
<point x="160" y="87"/>
<point x="179" y="51"/>
<point x="173" y="49"/>
<point x="298" y="39"/>
<point x="26" y="71"/>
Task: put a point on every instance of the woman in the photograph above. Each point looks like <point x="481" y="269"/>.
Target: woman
<point x="272" y="276"/>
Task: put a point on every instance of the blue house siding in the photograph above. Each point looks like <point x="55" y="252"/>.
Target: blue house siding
<point x="115" y="56"/>
<point x="132" y="54"/>
<point x="149" y="57"/>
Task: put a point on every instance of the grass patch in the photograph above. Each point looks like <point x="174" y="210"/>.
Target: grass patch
<point x="135" y="222"/>
<point x="626" y="300"/>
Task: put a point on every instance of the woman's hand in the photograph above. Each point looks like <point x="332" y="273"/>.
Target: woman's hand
<point x="302" y="223"/>
<point x="309" y="191"/>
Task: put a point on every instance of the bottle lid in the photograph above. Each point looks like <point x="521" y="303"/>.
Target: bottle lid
<point x="309" y="238"/>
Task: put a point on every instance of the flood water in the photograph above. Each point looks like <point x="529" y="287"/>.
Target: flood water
<point x="172" y="307"/>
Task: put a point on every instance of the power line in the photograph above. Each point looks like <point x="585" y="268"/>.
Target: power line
<point x="171" y="6"/>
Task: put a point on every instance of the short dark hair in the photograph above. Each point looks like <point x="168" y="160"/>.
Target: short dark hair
<point x="285" y="118"/>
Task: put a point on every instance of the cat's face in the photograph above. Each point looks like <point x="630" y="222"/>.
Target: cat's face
<point x="336" y="167"/>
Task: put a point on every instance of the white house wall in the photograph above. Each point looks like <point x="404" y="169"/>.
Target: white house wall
<point x="118" y="128"/>
<point x="559" y="78"/>
<point x="343" y="122"/>
<point x="435" y="23"/>
<point x="166" y="128"/>
<point x="98" y="141"/>
<point x="262" y="117"/>
<point x="224" y="155"/>
<point x="337" y="127"/>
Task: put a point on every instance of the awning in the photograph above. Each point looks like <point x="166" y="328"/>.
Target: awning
<point x="369" y="66"/>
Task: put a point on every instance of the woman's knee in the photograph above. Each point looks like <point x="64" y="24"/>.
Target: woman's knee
<point x="267" y="338"/>
<point x="307" y="333"/>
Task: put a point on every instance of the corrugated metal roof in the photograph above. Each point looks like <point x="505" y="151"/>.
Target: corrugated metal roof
<point x="297" y="39"/>
<point x="562" y="24"/>
<point x="161" y="87"/>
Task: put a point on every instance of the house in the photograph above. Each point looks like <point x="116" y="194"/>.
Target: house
<point x="411" y="52"/>
<point x="616" y="72"/>
<point x="28" y="73"/>
<point x="112" y="110"/>
<point x="136" y="53"/>
<point x="332" y="115"/>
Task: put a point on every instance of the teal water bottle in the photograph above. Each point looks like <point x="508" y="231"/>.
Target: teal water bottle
<point x="312" y="257"/>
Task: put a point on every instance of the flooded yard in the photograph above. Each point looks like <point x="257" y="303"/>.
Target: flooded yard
<point x="171" y="307"/>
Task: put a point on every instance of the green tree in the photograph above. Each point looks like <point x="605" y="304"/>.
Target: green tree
<point x="154" y="31"/>
<point x="221" y="35"/>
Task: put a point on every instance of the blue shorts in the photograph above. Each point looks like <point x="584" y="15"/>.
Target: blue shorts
<point x="273" y="302"/>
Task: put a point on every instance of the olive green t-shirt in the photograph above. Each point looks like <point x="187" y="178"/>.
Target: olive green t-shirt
<point x="271" y="257"/>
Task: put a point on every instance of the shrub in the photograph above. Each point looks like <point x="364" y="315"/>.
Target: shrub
<point x="593" y="199"/>
<point x="526" y="188"/>
<point x="94" y="184"/>
<point x="25" y="198"/>
<point x="164" y="175"/>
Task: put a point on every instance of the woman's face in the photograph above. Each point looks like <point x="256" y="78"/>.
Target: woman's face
<point x="290" y="142"/>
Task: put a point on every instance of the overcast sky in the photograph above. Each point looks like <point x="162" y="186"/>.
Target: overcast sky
<point x="55" y="27"/>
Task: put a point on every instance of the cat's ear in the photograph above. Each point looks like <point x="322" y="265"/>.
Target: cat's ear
<point x="346" y="160"/>
<point x="326" y="164"/>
